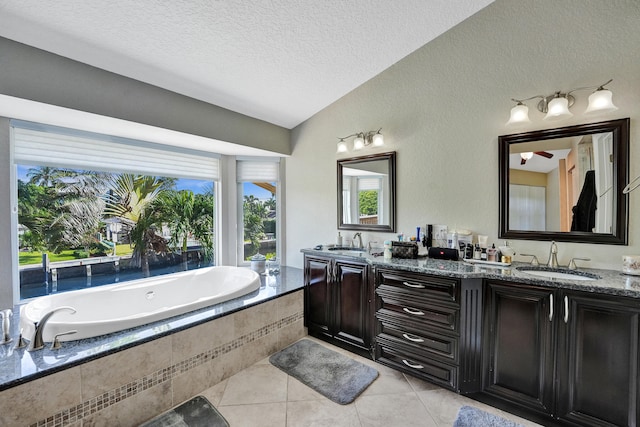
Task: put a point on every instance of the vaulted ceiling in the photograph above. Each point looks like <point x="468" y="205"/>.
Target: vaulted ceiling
<point x="280" y="61"/>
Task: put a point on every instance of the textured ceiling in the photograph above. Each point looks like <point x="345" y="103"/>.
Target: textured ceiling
<point x="280" y="60"/>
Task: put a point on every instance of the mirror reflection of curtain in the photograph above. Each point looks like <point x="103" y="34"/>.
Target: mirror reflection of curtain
<point x="346" y="200"/>
<point x="527" y="207"/>
<point x="603" y="160"/>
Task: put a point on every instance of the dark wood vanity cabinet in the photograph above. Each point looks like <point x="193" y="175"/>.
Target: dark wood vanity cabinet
<point x="567" y="355"/>
<point x="338" y="298"/>
<point x="422" y="327"/>
<point x="520" y="345"/>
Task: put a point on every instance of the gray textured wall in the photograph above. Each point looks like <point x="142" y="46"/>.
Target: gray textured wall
<point x="443" y="107"/>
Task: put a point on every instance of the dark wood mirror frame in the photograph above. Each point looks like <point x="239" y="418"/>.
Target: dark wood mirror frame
<point x="620" y="131"/>
<point x="391" y="225"/>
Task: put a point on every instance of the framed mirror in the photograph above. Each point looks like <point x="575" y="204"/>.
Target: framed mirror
<point x="566" y="184"/>
<point x="367" y="193"/>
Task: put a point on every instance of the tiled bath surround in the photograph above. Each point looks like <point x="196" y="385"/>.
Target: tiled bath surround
<point x="133" y="385"/>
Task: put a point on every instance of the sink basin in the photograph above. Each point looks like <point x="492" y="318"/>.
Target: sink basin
<point x="346" y="248"/>
<point x="558" y="273"/>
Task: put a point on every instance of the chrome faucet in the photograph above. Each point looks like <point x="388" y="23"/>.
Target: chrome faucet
<point x="359" y="236"/>
<point x="553" y="256"/>
<point x="37" y="342"/>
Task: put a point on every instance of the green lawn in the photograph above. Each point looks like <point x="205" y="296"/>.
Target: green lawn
<point x="66" y="255"/>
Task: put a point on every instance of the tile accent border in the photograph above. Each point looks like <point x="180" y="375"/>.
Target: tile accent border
<point x="131" y="389"/>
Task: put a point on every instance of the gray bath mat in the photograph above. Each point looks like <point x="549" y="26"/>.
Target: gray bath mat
<point x="197" y="412"/>
<point x="331" y="374"/>
<point x="468" y="416"/>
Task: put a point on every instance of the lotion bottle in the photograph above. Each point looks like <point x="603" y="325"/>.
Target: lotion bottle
<point x="339" y="240"/>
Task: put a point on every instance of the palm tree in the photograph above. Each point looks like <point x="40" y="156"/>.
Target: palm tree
<point x="45" y="176"/>
<point x="188" y="215"/>
<point x="130" y="197"/>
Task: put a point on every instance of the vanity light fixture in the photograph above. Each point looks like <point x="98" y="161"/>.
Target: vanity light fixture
<point x="371" y="138"/>
<point x="557" y="105"/>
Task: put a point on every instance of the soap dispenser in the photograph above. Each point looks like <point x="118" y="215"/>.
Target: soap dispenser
<point x="339" y="239"/>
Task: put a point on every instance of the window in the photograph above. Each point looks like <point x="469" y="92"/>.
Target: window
<point x="95" y="209"/>
<point x="363" y="198"/>
<point x="258" y="209"/>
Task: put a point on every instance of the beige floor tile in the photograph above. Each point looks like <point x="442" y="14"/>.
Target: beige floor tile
<point x="389" y="381"/>
<point x="321" y="413"/>
<point x="404" y="409"/>
<point x="420" y="385"/>
<point x="297" y="391"/>
<point x="214" y="394"/>
<point x="256" y="384"/>
<point x="258" y="415"/>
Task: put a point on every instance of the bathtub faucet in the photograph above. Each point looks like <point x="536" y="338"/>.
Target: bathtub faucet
<point x="37" y="342"/>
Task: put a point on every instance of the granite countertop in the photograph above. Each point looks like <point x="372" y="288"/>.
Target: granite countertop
<point x="20" y="366"/>
<point x="610" y="281"/>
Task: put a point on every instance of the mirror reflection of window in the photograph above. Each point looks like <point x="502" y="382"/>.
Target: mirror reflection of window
<point x="369" y="192"/>
<point x="366" y="192"/>
<point x="363" y="198"/>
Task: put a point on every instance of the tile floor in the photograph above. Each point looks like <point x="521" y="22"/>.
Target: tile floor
<point x="263" y="396"/>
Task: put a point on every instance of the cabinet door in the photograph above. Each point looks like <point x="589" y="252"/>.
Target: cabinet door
<point x="352" y="304"/>
<point x="520" y="342"/>
<point x="598" y="361"/>
<point x="317" y="295"/>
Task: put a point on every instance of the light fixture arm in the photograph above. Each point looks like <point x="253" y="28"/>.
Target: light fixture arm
<point x="362" y="139"/>
<point x="601" y="87"/>
<point x="556" y="106"/>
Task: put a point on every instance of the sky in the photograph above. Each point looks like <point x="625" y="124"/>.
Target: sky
<point x="196" y="185"/>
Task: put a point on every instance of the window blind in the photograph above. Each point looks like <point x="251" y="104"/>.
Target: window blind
<point x="257" y="171"/>
<point x="44" y="145"/>
<point x="365" y="184"/>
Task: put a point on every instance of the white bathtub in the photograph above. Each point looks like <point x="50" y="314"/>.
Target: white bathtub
<point x="120" y="306"/>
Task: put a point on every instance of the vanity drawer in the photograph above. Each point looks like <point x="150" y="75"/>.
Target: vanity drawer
<point x="423" y="340"/>
<point x="439" y="316"/>
<point x="431" y="370"/>
<point x="432" y="287"/>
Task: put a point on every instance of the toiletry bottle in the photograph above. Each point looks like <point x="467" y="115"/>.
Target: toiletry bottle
<point x="417" y="234"/>
<point x="483" y="254"/>
<point x="477" y="253"/>
<point x="468" y="253"/>
<point x="387" y="249"/>
<point x="339" y="240"/>
<point x="491" y="253"/>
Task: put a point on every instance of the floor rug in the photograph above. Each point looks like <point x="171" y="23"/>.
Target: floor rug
<point x="331" y="374"/>
<point x="468" y="416"/>
<point x="197" y="412"/>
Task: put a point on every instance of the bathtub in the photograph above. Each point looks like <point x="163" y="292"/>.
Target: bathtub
<point x="120" y="306"/>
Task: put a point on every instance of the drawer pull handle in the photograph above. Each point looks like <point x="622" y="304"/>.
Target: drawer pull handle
<point x="411" y="365"/>
<point x="411" y="285"/>
<point x="413" y="311"/>
<point x="412" y="338"/>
